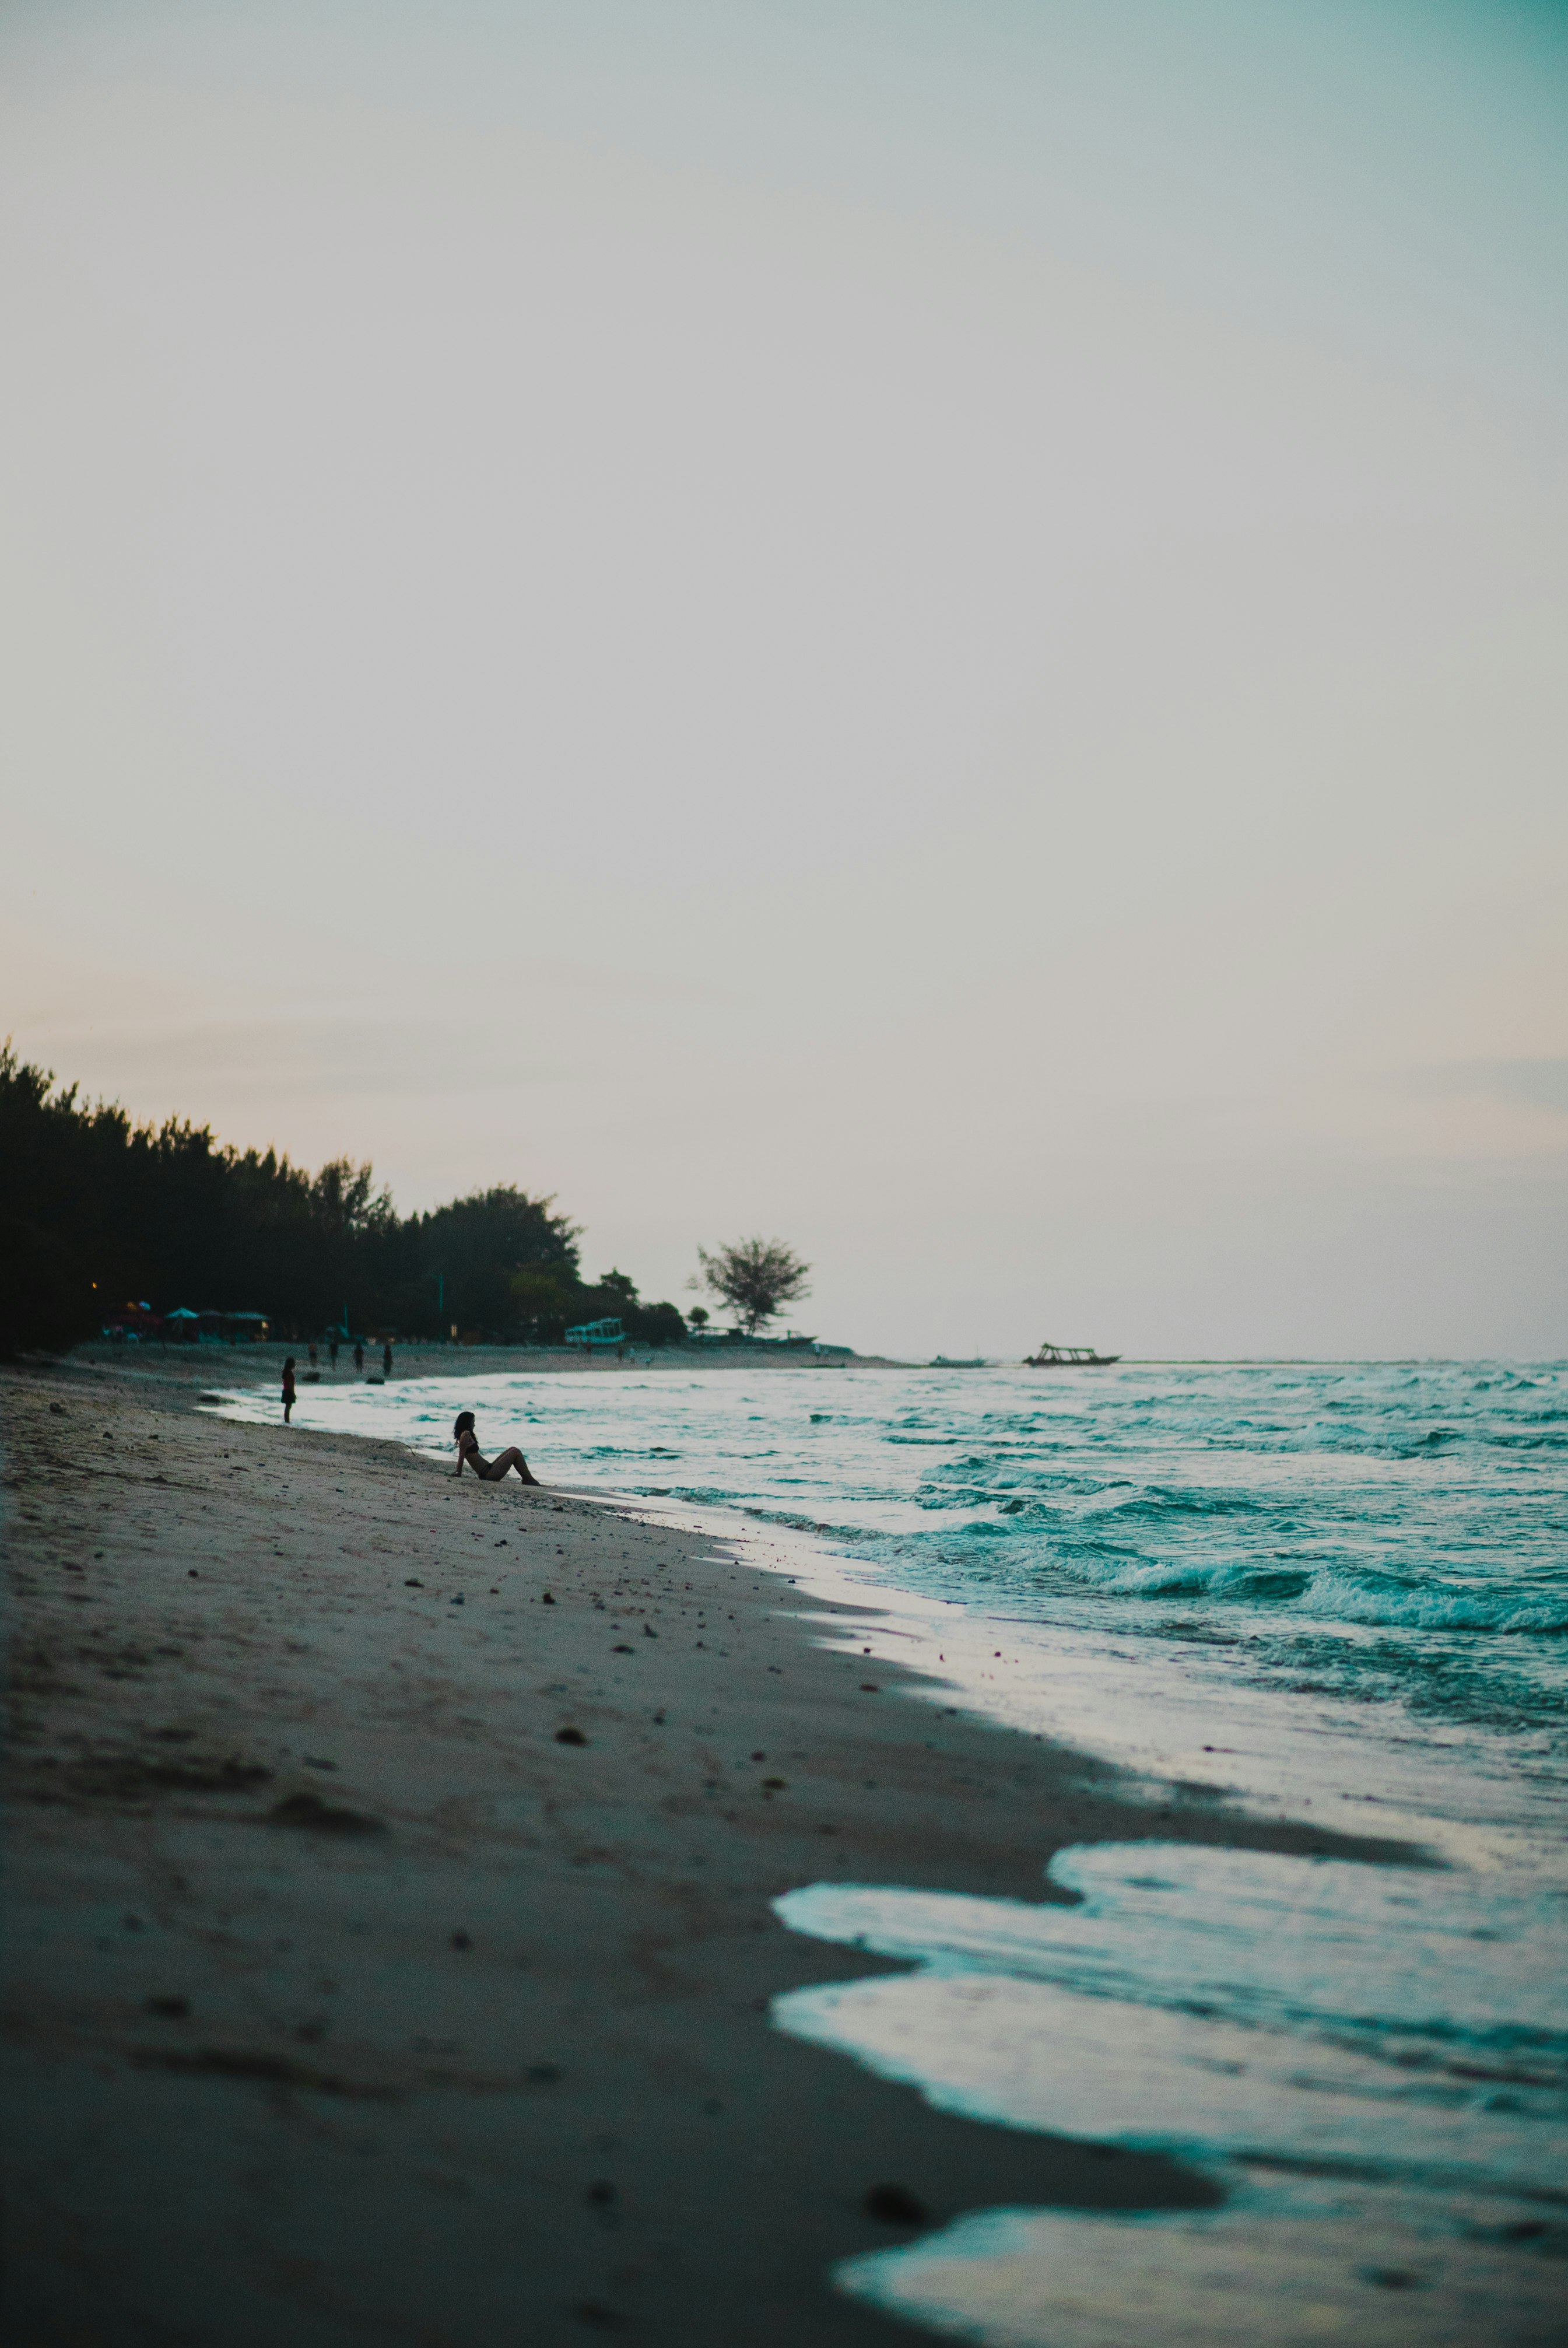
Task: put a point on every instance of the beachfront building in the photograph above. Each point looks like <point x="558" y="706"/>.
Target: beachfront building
<point x="589" y="1334"/>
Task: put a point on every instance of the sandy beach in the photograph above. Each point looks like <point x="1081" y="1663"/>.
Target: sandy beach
<point x="390" y="1946"/>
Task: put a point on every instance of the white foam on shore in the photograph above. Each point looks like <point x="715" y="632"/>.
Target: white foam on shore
<point x="1268" y="2019"/>
<point x="1211" y="2001"/>
<point x="1306" y="2263"/>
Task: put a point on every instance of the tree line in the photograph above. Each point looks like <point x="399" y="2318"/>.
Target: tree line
<point x="99" y="1214"/>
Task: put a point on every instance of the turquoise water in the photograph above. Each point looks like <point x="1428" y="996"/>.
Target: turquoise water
<point x="1336" y="1592"/>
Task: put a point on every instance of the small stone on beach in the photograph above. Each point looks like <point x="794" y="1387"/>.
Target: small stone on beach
<point x="308" y="1810"/>
<point x="571" y="1736"/>
<point x="896" y="2206"/>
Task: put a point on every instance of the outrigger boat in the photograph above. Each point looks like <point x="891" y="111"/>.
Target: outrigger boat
<point x="1068" y="1357"/>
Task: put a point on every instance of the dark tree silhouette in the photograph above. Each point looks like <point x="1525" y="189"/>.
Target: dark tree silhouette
<point x="97" y="1213"/>
<point x="755" y="1277"/>
<point x="502" y="1258"/>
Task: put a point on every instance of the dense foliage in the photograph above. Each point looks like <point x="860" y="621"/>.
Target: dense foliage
<point x="97" y="1213"/>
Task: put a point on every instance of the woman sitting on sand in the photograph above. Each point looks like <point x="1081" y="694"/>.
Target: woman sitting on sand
<point x="489" y="1471"/>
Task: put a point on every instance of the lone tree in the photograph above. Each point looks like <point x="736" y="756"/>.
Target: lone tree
<point x="755" y="1277"/>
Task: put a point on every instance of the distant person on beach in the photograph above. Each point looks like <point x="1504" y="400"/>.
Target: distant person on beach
<point x="313" y="1351"/>
<point x="288" y="1388"/>
<point x="386" y="1361"/>
<point x="489" y="1472"/>
<point x="358" y="1355"/>
<point x="332" y="1353"/>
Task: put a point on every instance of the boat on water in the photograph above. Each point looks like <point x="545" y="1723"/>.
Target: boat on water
<point x="1068" y="1357"/>
<point x="977" y="1362"/>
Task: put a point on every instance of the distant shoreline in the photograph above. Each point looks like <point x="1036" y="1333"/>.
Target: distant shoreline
<point x="222" y="1364"/>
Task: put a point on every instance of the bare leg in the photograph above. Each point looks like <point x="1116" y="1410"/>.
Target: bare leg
<point x="512" y="1458"/>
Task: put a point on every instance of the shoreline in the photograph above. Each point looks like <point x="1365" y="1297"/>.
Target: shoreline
<point x="343" y="1998"/>
<point x="262" y="1365"/>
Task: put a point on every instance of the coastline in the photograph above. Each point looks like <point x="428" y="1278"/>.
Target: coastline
<point x="499" y="2053"/>
<point x="262" y="1365"/>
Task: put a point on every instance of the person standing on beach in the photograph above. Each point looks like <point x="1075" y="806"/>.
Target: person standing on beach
<point x="332" y="1353"/>
<point x="386" y="1360"/>
<point x="359" y="1357"/>
<point x="288" y="1388"/>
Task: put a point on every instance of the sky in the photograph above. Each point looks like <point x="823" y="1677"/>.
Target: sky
<point x="933" y="629"/>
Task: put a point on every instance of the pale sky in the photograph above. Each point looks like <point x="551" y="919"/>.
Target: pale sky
<point x="937" y="630"/>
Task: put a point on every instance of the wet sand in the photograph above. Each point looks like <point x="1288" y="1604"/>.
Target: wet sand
<point x="389" y="1949"/>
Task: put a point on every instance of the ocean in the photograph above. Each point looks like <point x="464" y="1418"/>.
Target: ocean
<point x="1333" y="1593"/>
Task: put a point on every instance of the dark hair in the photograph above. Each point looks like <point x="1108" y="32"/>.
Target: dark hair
<point x="290" y="1363"/>
<point x="463" y="1424"/>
